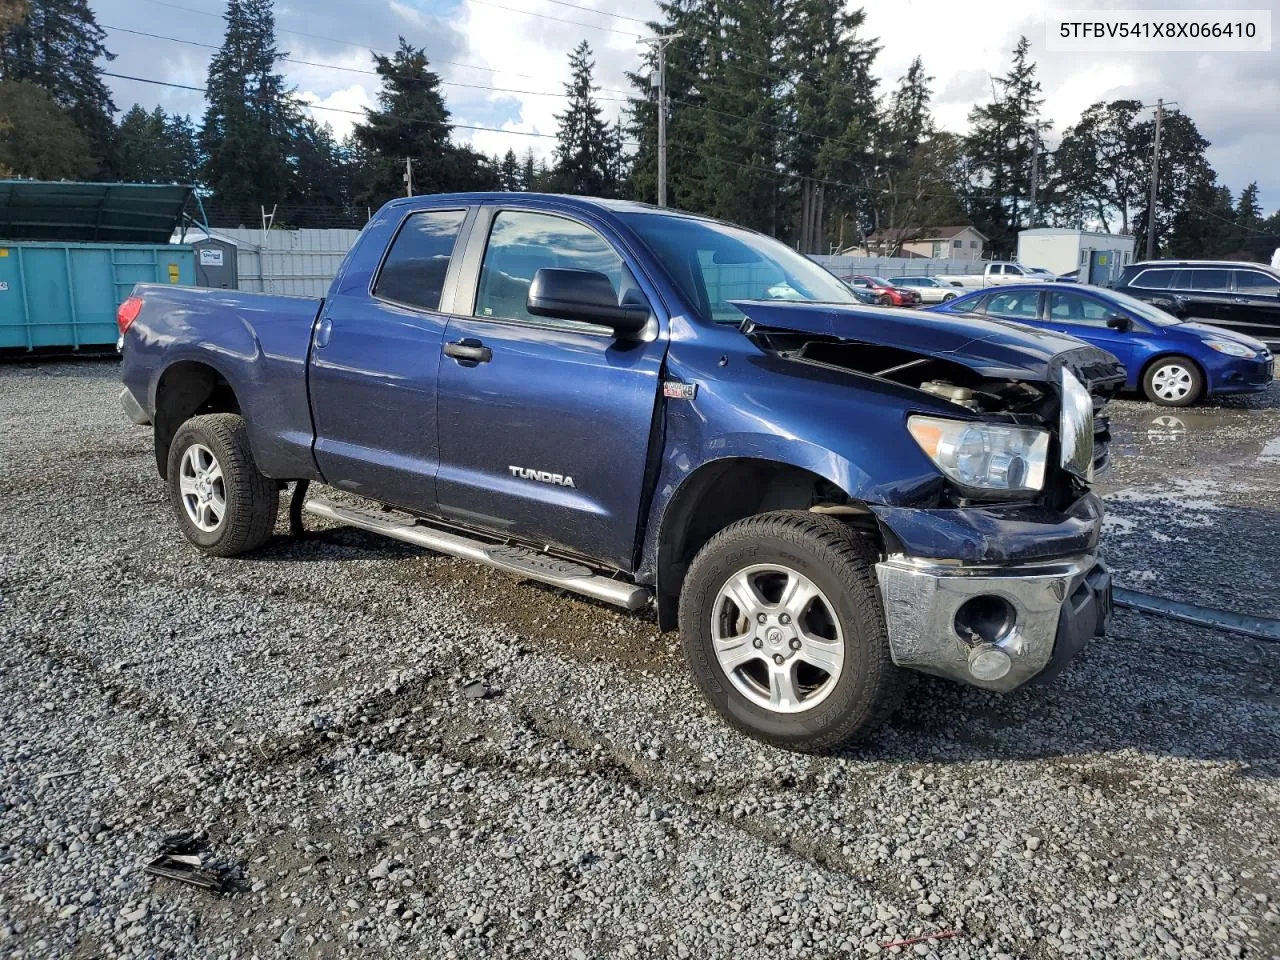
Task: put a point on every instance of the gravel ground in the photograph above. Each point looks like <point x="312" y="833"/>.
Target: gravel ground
<point x="304" y="707"/>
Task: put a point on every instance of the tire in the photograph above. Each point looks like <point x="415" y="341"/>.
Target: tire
<point x="840" y="704"/>
<point x="1173" y="382"/>
<point x="218" y="443"/>
<point x="948" y="296"/>
<point x="885" y="300"/>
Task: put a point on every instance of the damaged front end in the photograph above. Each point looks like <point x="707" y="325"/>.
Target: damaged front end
<point x="983" y="585"/>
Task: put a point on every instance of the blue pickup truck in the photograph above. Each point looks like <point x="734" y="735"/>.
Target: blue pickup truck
<point x="657" y="409"/>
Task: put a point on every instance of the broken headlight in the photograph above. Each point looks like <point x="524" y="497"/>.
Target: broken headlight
<point x="1076" y="430"/>
<point x="984" y="456"/>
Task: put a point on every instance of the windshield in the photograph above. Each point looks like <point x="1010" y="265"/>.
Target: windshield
<point x="714" y="263"/>
<point x="1143" y="309"/>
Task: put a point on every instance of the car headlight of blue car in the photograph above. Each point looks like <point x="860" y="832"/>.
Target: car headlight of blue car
<point x="1231" y="348"/>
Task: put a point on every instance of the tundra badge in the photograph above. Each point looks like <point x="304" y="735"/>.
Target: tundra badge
<point x="525" y="473"/>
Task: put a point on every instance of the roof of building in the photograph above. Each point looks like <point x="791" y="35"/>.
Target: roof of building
<point x="922" y="234"/>
<point x="90" y="212"/>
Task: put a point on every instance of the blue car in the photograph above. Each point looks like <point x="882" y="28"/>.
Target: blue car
<point x="1174" y="362"/>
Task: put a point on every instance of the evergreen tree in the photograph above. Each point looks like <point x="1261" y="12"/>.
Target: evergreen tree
<point x="154" y="147"/>
<point x="411" y="122"/>
<point x="529" y="172"/>
<point x="688" y="187"/>
<point x="37" y="137"/>
<point x="509" y="171"/>
<point x="741" y="150"/>
<point x="248" y="127"/>
<point x="56" y="47"/>
<point x="585" y="151"/>
<point x="1003" y="136"/>
<point x="830" y="112"/>
<point x="321" y="188"/>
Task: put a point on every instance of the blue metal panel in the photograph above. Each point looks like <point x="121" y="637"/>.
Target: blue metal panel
<point x="64" y="295"/>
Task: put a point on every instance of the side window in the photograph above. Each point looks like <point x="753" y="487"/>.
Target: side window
<point x="413" y="273"/>
<point x="1211" y="281"/>
<point x="521" y="242"/>
<point x="1254" y="283"/>
<point x="1075" y="308"/>
<point x="1152" y="279"/>
<point x="958" y="244"/>
<point x="1020" y="305"/>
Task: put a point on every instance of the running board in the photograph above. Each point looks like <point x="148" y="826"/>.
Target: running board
<point x="520" y="561"/>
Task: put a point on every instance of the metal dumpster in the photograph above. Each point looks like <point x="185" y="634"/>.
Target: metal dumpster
<point x="71" y="252"/>
<point x="65" y="294"/>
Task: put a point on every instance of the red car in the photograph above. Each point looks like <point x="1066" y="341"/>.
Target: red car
<point x="886" y="294"/>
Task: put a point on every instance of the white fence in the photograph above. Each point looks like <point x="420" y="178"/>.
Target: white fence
<point x="296" y="262"/>
<point x="899" y="266"/>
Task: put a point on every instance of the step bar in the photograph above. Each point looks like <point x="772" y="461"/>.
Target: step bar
<point x="521" y="561"/>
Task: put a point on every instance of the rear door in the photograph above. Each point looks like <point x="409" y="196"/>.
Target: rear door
<point x="1206" y="291"/>
<point x="545" y="425"/>
<point x="1255" y="307"/>
<point x="374" y="359"/>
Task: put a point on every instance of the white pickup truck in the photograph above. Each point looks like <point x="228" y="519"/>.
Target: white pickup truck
<point x="997" y="273"/>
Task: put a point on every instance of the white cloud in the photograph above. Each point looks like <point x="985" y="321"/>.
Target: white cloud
<point x="354" y="98"/>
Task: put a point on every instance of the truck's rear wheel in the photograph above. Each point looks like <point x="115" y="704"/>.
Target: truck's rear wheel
<point x="783" y="629"/>
<point x="223" y="504"/>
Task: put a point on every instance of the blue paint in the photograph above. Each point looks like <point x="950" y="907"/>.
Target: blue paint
<point x="1149" y="338"/>
<point x="361" y="393"/>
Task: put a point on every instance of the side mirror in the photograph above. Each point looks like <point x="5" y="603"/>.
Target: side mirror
<point x="583" y="295"/>
<point x="1121" y="323"/>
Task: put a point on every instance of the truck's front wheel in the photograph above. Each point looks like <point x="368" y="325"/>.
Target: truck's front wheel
<point x="783" y="629"/>
<point x="223" y="504"/>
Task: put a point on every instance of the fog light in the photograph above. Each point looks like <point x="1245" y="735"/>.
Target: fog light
<point x="985" y="618"/>
<point x="988" y="662"/>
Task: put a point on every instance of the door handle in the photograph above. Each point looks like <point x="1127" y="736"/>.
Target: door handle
<point x="1239" y="300"/>
<point x="468" y="351"/>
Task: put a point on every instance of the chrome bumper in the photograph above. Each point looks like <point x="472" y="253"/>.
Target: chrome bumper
<point x="133" y="409"/>
<point x="994" y="627"/>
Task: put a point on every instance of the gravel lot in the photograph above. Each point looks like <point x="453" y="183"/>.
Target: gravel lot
<point x="304" y="707"/>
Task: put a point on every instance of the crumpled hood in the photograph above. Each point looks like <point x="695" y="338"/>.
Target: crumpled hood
<point x="1203" y="331"/>
<point x="991" y="348"/>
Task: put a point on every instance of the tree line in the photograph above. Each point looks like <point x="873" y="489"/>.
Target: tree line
<point x="776" y="120"/>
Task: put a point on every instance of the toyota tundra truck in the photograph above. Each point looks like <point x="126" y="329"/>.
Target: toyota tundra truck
<point x="658" y="411"/>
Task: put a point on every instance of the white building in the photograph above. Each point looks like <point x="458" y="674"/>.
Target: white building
<point x="1096" y="257"/>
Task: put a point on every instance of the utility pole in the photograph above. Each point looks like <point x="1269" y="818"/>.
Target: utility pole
<point x="408" y="176"/>
<point x="1035" y="176"/>
<point x="660" y="45"/>
<point x="1155" y="183"/>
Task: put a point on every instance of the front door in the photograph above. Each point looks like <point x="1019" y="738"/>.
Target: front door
<point x="1086" y="317"/>
<point x="545" y="425"/>
<point x="374" y="360"/>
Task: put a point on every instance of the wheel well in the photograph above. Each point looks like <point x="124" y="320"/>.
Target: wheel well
<point x="187" y="389"/>
<point x="725" y="491"/>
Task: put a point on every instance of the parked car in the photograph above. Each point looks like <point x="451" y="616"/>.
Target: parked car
<point x="647" y="407"/>
<point x="886" y="294"/>
<point x="995" y="274"/>
<point x="1175" y="363"/>
<point x="1244" y="297"/>
<point x="928" y="289"/>
<point x="1071" y="276"/>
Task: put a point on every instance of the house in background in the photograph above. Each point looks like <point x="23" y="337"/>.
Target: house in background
<point x="940" y="243"/>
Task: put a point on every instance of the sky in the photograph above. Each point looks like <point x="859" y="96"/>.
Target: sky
<point x="521" y="47"/>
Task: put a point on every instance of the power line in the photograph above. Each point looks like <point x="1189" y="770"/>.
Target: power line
<point x="334" y="66"/>
<point x="354" y="113"/>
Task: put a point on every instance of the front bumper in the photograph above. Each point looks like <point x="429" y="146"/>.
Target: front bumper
<point x="1240" y="375"/>
<point x="994" y="627"/>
